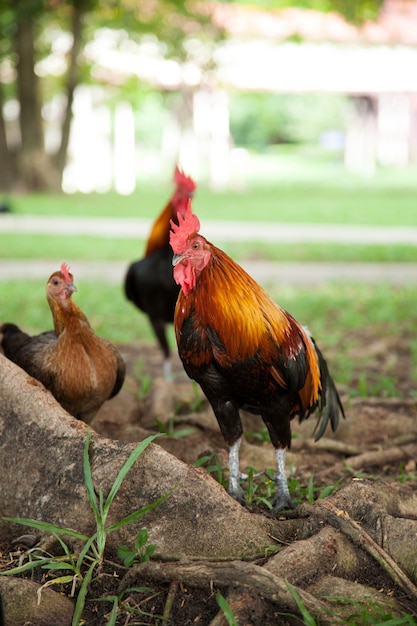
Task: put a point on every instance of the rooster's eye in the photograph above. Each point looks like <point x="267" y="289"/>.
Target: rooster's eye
<point x="195" y="246"/>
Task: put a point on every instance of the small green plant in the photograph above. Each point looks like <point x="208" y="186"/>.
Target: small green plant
<point x="318" y="493"/>
<point x="80" y="569"/>
<point x="259" y="488"/>
<point x="262" y="435"/>
<point x="404" y="475"/>
<point x="382" y="385"/>
<point x="251" y="486"/>
<point x="307" y="618"/>
<point x="212" y="465"/>
<point x="142" y="550"/>
<point x="144" y="378"/>
<point x="371" y="614"/>
<point x="119" y="602"/>
<point x="362" y="385"/>
<point x="168" y="429"/>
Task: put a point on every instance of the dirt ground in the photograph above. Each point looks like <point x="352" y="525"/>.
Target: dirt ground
<point x="373" y="427"/>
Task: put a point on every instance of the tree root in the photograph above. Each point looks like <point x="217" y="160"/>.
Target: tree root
<point x="328" y="445"/>
<point x="169" y="601"/>
<point x="371" y="458"/>
<point x="350" y="450"/>
<point x="341" y="520"/>
<point x="234" y="573"/>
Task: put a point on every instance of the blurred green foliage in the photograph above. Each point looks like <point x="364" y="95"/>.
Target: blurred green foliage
<point x="261" y="119"/>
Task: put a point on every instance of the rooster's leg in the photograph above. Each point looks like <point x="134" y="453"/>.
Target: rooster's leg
<point x="167" y="369"/>
<point x="159" y="328"/>
<point x="282" y="498"/>
<point x="235" y="489"/>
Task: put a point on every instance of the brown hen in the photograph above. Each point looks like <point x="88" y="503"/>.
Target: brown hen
<point x="81" y="369"/>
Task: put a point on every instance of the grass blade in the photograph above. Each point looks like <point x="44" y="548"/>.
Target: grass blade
<point x="140" y="513"/>
<point x="113" y="613"/>
<point x="46" y="527"/>
<point x="79" y="606"/>
<point x="308" y="619"/>
<point x="227" y="611"/>
<point x="26" y="567"/>
<point x="58" y="565"/>
<point x="88" y="544"/>
<point x="135" y="454"/>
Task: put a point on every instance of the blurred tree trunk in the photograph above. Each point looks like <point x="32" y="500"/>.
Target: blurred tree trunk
<point x="6" y="169"/>
<point x="31" y="167"/>
<point x="72" y="82"/>
<point x="34" y="170"/>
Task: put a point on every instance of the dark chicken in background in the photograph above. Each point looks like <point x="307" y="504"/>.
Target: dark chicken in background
<point x="149" y="282"/>
<point x="245" y="352"/>
<point x="81" y="369"/>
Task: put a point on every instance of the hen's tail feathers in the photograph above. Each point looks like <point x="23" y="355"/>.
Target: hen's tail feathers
<point x="330" y="405"/>
<point x="12" y="339"/>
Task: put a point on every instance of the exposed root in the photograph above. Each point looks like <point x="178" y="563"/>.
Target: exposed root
<point x="341" y="520"/>
<point x="169" y="601"/>
<point x="372" y="458"/>
<point x="234" y="573"/>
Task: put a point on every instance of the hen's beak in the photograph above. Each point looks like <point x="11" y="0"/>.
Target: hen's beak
<point x="177" y="258"/>
<point x="71" y="288"/>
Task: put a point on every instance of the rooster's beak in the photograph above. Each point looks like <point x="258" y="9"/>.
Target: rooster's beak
<point x="177" y="258"/>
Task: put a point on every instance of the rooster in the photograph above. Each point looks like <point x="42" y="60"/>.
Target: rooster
<point x="81" y="369"/>
<point x="149" y="282"/>
<point x="245" y="351"/>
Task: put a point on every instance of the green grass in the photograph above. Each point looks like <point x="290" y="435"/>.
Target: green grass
<point x="302" y="202"/>
<point x="330" y="310"/>
<point x="289" y="184"/>
<point x="18" y="246"/>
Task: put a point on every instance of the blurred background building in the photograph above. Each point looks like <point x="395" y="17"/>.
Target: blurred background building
<point x="277" y="78"/>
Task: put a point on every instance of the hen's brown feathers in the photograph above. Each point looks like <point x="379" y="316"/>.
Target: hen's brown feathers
<point x="81" y="369"/>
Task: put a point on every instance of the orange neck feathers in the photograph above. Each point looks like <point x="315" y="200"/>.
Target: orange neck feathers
<point x="159" y="237"/>
<point x="228" y="300"/>
<point x="184" y="190"/>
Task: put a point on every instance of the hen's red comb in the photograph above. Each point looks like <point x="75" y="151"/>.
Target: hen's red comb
<point x="188" y="225"/>
<point x="183" y="181"/>
<point x="66" y="273"/>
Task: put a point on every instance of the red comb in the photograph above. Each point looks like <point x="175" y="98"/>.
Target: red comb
<point x="188" y="225"/>
<point x="66" y="273"/>
<point x="183" y="181"/>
